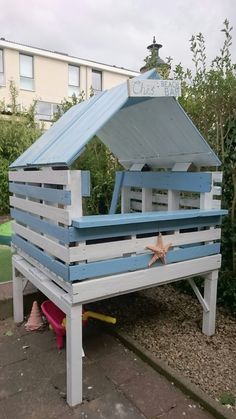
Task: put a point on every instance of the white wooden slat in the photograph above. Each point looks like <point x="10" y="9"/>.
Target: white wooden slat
<point x="50" y="246"/>
<point x="110" y="286"/>
<point x="67" y="286"/>
<point x="160" y="198"/>
<point x="217" y="190"/>
<point x="102" y="251"/>
<point x="156" y="198"/>
<point x="217" y="177"/>
<point x="137" y="206"/>
<point x="163" y="199"/>
<point x="43" y="283"/>
<point x="216" y="204"/>
<point x="57" y="177"/>
<point x="47" y="211"/>
<point x="190" y="202"/>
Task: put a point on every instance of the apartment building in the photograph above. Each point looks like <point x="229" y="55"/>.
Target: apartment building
<point x="50" y="76"/>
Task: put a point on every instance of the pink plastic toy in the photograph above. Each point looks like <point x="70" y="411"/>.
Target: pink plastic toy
<point x="55" y="317"/>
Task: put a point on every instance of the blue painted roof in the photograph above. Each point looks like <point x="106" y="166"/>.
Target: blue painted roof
<point x="155" y="131"/>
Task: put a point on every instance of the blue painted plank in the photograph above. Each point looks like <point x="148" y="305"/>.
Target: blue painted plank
<point x="177" y="181"/>
<point x="41" y="226"/>
<point x="42" y="257"/>
<point x="133" y="263"/>
<point x="47" y="194"/>
<point x="85" y="174"/>
<point x="116" y="192"/>
<point x="113" y="266"/>
<point x="71" y="234"/>
<point x="141" y="228"/>
<point x="93" y="221"/>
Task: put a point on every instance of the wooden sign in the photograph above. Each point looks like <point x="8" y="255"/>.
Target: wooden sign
<point x="154" y="88"/>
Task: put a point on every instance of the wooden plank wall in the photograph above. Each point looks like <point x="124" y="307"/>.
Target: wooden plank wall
<point x="44" y="203"/>
<point x="133" y="198"/>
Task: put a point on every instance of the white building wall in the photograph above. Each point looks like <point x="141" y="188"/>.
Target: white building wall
<point x="51" y="74"/>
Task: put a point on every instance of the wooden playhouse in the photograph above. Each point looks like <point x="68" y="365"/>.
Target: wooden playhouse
<point x="75" y="259"/>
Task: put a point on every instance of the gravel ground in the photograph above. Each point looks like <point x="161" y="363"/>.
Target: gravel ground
<point x="168" y="323"/>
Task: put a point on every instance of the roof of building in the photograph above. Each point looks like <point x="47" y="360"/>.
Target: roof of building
<point x="141" y="130"/>
<point x="63" y="56"/>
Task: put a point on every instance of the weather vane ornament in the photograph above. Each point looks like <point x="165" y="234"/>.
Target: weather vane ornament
<point x="160" y="250"/>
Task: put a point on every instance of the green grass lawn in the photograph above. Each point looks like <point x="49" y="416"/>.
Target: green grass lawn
<point x="5" y="233"/>
<point x="5" y="263"/>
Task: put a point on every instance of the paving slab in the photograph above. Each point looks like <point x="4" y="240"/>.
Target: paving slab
<point x="112" y="405"/>
<point x="116" y="383"/>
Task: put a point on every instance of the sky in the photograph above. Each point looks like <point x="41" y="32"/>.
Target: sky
<point x="117" y="32"/>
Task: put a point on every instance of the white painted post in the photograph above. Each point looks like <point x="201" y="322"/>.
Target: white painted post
<point x="74" y="355"/>
<point x="18" y="286"/>
<point x="174" y="196"/>
<point x="210" y="293"/>
<point x="75" y="185"/>
<point x="146" y="200"/>
<point x="125" y="199"/>
<point x="173" y="200"/>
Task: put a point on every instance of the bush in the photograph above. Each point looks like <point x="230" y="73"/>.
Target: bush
<point x="17" y="132"/>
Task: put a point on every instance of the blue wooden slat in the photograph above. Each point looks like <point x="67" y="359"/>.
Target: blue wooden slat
<point x="128" y="264"/>
<point x="177" y="181"/>
<point x="113" y="266"/>
<point x="141" y="228"/>
<point x="71" y="234"/>
<point x="50" y="263"/>
<point x="116" y="192"/>
<point x="93" y="221"/>
<point x="41" y="226"/>
<point x="85" y="174"/>
<point x="47" y="194"/>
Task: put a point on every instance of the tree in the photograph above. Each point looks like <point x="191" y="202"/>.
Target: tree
<point x="209" y="97"/>
<point x="18" y="130"/>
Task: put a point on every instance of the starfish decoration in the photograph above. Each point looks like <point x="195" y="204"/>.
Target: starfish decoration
<point x="160" y="250"/>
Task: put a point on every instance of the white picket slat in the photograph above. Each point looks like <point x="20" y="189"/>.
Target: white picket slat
<point x="47" y="211"/>
<point x="57" y="177"/>
<point x="50" y="246"/>
<point x="102" y="251"/>
<point x="217" y="190"/>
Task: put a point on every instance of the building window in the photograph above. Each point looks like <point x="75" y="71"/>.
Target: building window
<point x="1" y="68"/>
<point x="46" y="110"/>
<point x="96" y="81"/>
<point x="26" y="72"/>
<point x="73" y="80"/>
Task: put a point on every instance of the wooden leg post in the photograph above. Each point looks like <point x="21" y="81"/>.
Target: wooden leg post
<point x="74" y="355"/>
<point x="18" y="285"/>
<point x="210" y="293"/>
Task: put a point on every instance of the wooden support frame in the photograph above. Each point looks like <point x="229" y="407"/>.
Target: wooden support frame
<point x="100" y="288"/>
<point x="210" y="294"/>
<point x="46" y="227"/>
